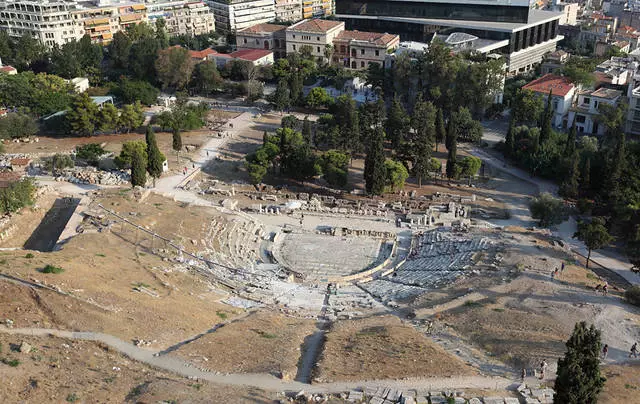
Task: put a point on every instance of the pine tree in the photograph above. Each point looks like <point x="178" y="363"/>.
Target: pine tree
<point x="397" y="124"/>
<point x="441" y="131"/>
<point x="138" y="169"/>
<point x="545" y="130"/>
<point x="154" y="156"/>
<point x="176" y="143"/>
<point x="306" y="130"/>
<point x="374" y="164"/>
<point x="578" y="378"/>
<point x="569" y="187"/>
<point x="281" y="97"/>
<point x="616" y="166"/>
<point x="570" y="146"/>
<point x="510" y="139"/>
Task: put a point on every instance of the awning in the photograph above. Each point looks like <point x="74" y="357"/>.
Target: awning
<point x="139" y="7"/>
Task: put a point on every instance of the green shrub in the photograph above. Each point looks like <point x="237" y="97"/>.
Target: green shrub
<point x="50" y="269"/>
<point x="633" y="295"/>
<point x="29" y="256"/>
<point x="72" y="398"/>
<point x="17" y="195"/>
<point x="90" y="153"/>
<point x="14" y="363"/>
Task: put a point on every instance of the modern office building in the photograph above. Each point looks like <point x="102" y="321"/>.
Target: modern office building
<point x="521" y="34"/>
<point x="233" y="15"/>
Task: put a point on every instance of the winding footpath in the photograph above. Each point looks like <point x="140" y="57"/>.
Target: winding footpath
<point x="262" y="381"/>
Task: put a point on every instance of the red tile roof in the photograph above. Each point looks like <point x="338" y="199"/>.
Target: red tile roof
<point x="558" y="85"/>
<point x="7" y="69"/>
<point x="373" y="37"/>
<point x="250" y="54"/>
<point x="319" y="26"/>
<point x="20" y="162"/>
<point x="201" y="54"/>
<point x="260" y="28"/>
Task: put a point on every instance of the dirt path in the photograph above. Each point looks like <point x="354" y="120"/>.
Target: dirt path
<point x="263" y="381"/>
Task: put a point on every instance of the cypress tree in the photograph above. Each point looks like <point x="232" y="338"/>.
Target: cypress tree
<point x="547" y="115"/>
<point x="265" y="138"/>
<point x="570" y="146"/>
<point x="510" y="141"/>
<point x="569" y="187"/>
<point x="155" y="158"/>
<point x="176" y="142"/>
<point x="138" y="169"/>
<point x="452" y="140"/>
<point x="585" y="178"/>
<point x="441" y="131"/>
<point x="374" y="168"/>
<point x="578" y="379"/>
<point x="306" y="130"/>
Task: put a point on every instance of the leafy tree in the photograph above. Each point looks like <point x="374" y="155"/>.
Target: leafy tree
<point x="27" y="51"/>
<point x="174" y="67"/>
<point x="397" y="124"/>
<point x="281" y="98"/>
<point x="580" y="70"/>
<point x="155" y="158"/>
<point x="334" y="167"/>
<point x="83" y="116"/>
<point x="569" y="187"/>
<point x="295" y="88"/>
<point x="547" y="210"/>
<point x="469" y="130"/>
<point x="318" y="97"/>
<point x="206" y="78"/>
<point x="594" y="235"/>
<point x="130" y="91"/>
<point x="585" y="177"/>
<point x="17" y="195"/>
<point x="289" y="121"/>
<point x="58" y="162"/>
<point x="374" y="164"/>
<point x="143" y="56"/>
<point x="347" y="119"/>
<point x="125" y="158"/>
<point x="528" y="107"/>
<point x="90" y="152"/>
<point x="396" y="174"/>
<point x="138" y="169"/>
<point x="435" y="166"/>
<point x="441" y="130"/>
<point x="119" y="50"/>
<point x="176" y="143"/>
<point x="256" y="172"/>
<point x="17" y="125"/>
<point x="470" y="166"/>
<point x="108" y="118"/>
<point x="578" y="378"/>
<point x="423" y="123"/>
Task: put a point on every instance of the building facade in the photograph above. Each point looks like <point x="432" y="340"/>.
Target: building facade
<point x="102" y="22"/>
<point x="562" y="94"/>
<point x="524" y="35"/>
<point x="317" y="8"/>
<point x="584" y="114"/>
<point x="234" y="15"/>
<point x="264" y="36"/>
<point x="317" y="35"/>
<point x="51" y="22"/>
<point x="359" y="50"/>
<point x="288" y="10"/>
<point x="183" y="17"/>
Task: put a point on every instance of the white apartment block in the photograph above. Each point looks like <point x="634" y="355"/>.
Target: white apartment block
<point x="182" y="17"/>
<point x="102" y="19"/>
<point x="288" y="10"/>
<point x="233" y="15"/>
<point x="314" y="34"/>
<point x="50" y="21"/>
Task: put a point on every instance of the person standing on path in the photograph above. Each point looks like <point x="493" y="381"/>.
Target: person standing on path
<point x="634" y="350"/>
<point x="543" y="368"/>
<point x="605" y="351"/>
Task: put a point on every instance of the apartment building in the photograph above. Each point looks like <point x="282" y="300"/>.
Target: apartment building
<point x="317" y="8"/>
<point x="314" y="34"/>
<point x="50" y="21"/>
<point x="288" y="10"/>
<point x="584" y="114"/>
<point x="359" y="50"/>
<point x="234" y="15"/>
<point x="264" y="36"/>
<point x="182" y="17"/>
<point x="102" y="22"/>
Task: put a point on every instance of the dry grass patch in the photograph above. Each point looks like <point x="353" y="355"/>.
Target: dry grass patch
<point x="260" y="343"/>
<point x="384" y="348"/>
<point x="622" y="385"/>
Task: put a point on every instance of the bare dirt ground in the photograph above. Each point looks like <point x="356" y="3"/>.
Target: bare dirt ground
<point x="383" y="348"/>
<point x="262" y="342"/>
<point x="61" y="370"/>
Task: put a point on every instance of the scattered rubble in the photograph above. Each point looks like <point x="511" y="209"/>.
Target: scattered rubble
<point x="91" y="175"/>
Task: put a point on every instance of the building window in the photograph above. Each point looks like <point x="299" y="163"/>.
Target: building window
<point x="318" y="38"/>
<point x="294" y="36"/>
<point x="362" y="51"/>
<point x="595" y="103"/>
<point x="377" y="52"/>
<point x="581" y="118"/>
<point x="587" y="100"/>
<point x="294" y="46"/>
<point x="257" y="41"/>
<point x="361" y="64"/>
<point x="318" y="49"/>
<point x="244" y="40"/>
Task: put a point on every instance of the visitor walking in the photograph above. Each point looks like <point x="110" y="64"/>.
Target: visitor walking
<point x="543" y="368"/>
<point x="605" y="351"/>
<point x="605" y="288"/>
<point x="634" y="350"/>
<point x="523" y="374"/>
